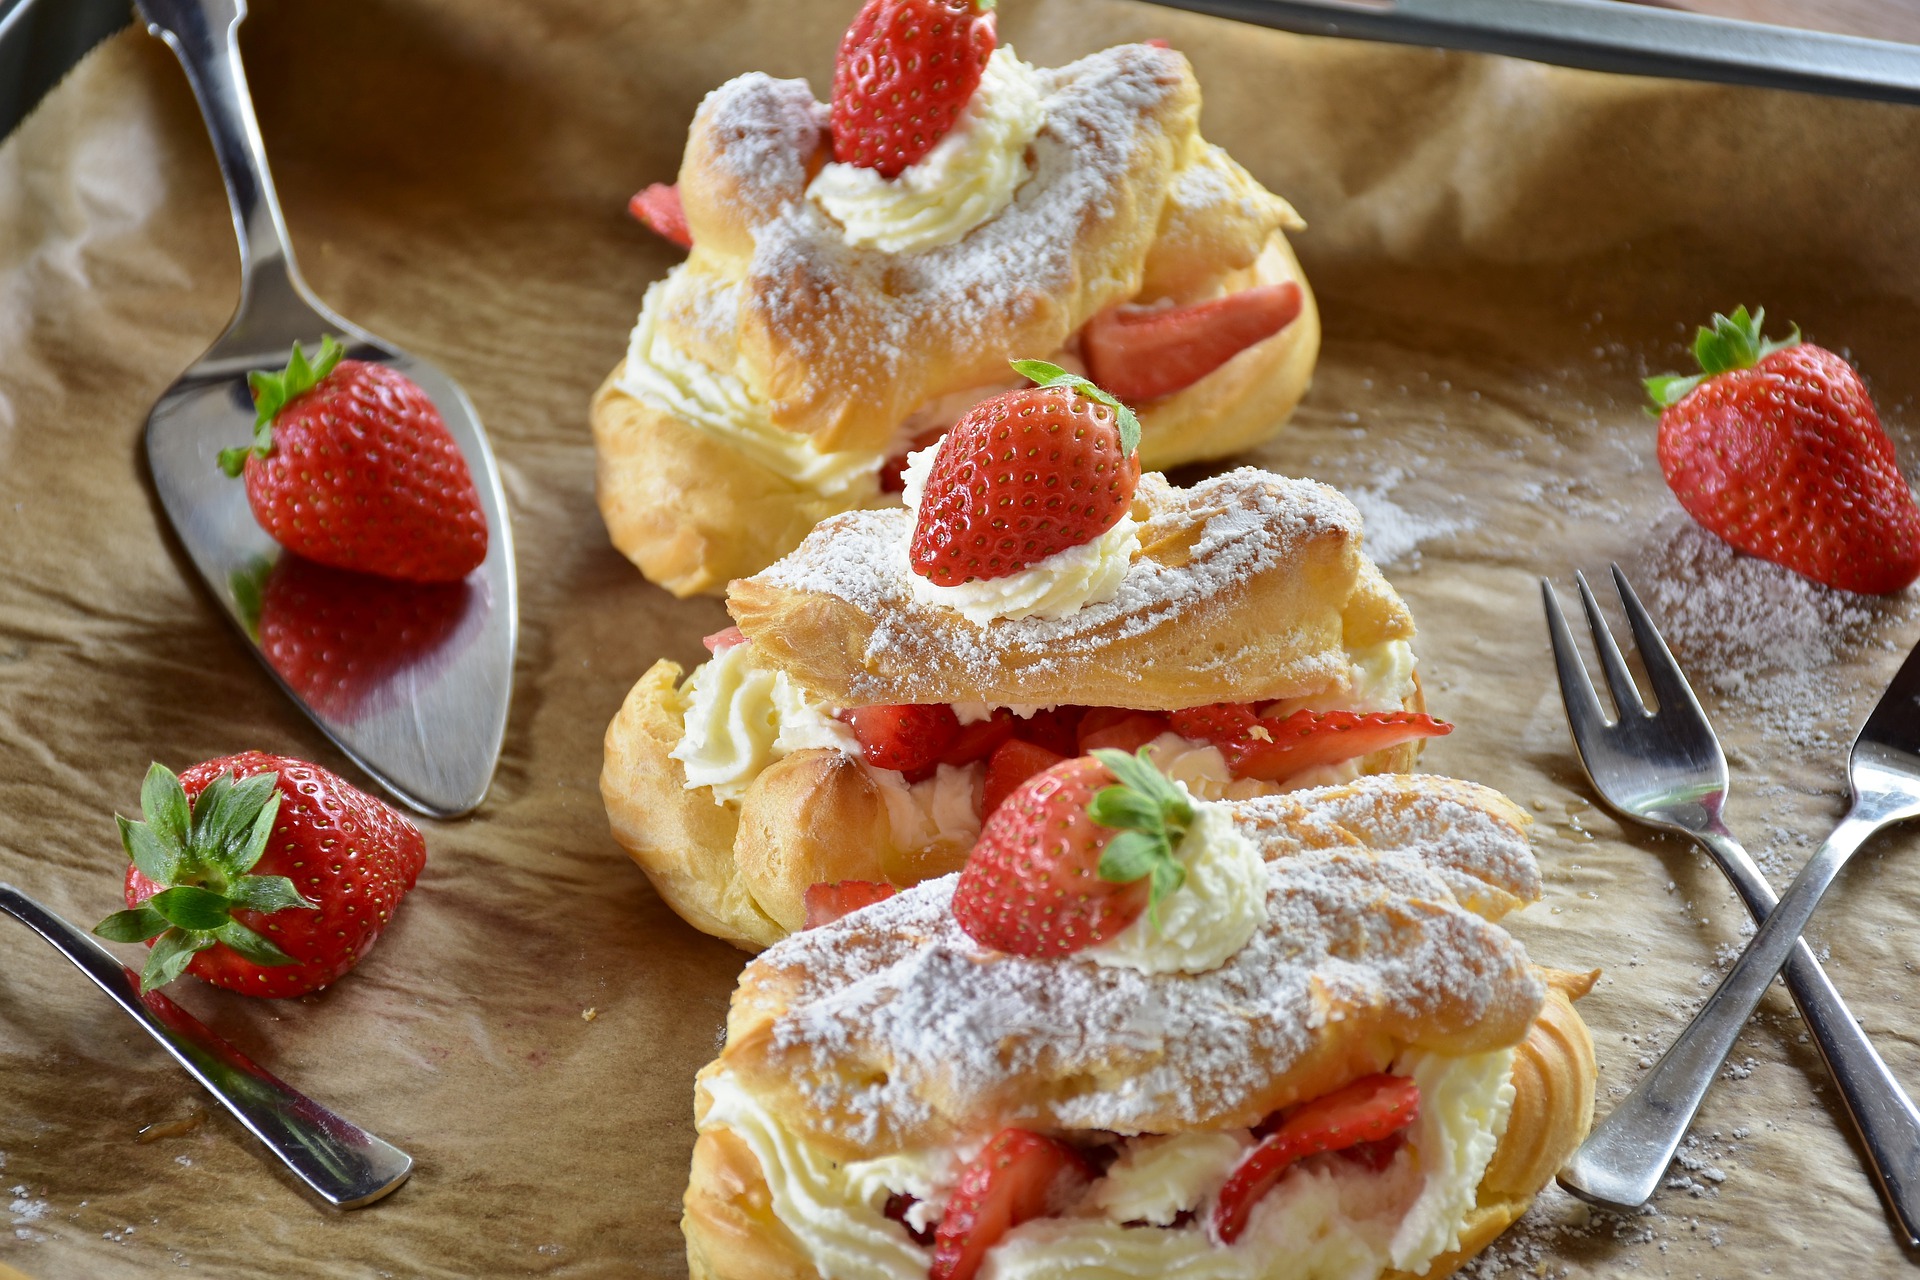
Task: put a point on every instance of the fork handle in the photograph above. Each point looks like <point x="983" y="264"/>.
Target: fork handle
<point x="1622" y="1161"/>
<point x="1881" y="1112"/>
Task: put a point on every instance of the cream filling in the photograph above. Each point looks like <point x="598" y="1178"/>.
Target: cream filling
<point x="1328" y="1218"/>
<point x="740" y="718"/>
<point x="1199" y="926"/>
<point x="943" y="809"/>
<point x="1062" y="583"/>
<point x="969" y="176"/>
<point x="660" y="374"/>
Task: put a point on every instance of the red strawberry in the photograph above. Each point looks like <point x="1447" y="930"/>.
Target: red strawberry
<point x="658" y="209"/>
<point x="1119" y="729"/>
<point x="724" y="639"/>
<point x="1070" y="859"/>
<point x="981" y="739"/>
<point x="1139" y="353"/>
<point x="1275" y="749"/>
<point x="828" y="902"/>
<point x="261" y="874"/>
<point x="1012" y="763"/>
<point x="1055" y="728"/>
<point x="910" y="737"/>
<point x="351" y="465"/>
<point x="1025" y="475"/>
<point x="1370" y="1109"/>
<point x="1018" y="1177"/>
<point x="336" y="637"/>
<point x="1776" y="447"/>
<point x="905" y="72"/>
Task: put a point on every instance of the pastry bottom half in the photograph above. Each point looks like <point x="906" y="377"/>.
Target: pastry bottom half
<point x="693" y="512"/>
<point x="733" y="1234"/>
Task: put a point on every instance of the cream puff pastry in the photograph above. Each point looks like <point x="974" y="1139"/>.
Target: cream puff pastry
<point x="827" y="319"/>
<point x="741" y="786"/>
<point x="869" y="1063"/>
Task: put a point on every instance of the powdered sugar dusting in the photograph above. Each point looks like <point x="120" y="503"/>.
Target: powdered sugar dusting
<point x="762" y="131"/>
<point x="897" y="1020"/>
<point x="1394" y="532"/>
<point x="1248" y="522"/>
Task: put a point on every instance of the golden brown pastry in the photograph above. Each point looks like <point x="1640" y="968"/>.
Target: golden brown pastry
<point x="868" y="1060"/>
<point x="806" y="339"/>
<point x="1247" y="588"/>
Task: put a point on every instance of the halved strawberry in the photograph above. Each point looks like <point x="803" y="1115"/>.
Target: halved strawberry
<point x="910" y="737"/>
<point x="658" y="209"/>
<point x="979" y="740"/>
<point x="1119" y="729"/>
<point x="828" y="902"/>
<point x="721" y="641"/>
<point x="1018" y="1177"/>
<point x="905" y="71"/>
<point x="1139" y="353"/>
<point x="1011" y="764"/>
<point x="1274" y="749"/>
<point x="1368" y="1110"/>
<point x="1055" y="728"/>
<point x="1023" y="476"/>
<point x="1069" y="859"/>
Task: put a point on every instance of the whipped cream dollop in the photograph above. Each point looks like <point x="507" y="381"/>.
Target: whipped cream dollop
<point x="1326" y="1217"/>
<point x="659" y="373"/>
<point x="1065" y="581"/>
<point x="1213" y="913"/>
<point x="943" y="809"/>
<point x="740" y="718"/>
<point x="969" y="176"/>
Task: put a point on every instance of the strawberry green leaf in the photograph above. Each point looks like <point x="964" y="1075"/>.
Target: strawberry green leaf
<point x="232" y="821"/>
<point x="163" y="803"/>
<point x="1139" y="773"/>
<point x="157" y="859"/>
<point x="1130" y="855"/>
<point x="249" y="588"/>
<point x="251" y="946"/>
<point x="267" y="893"/>
<point x="1727" y="343"/>
<point x="136" y="924"/>
<point x="191" y="907"/>
<point x="171" y="956"/>
<point x="1124" y="808"/>
<point x="273" y="392"/>
<point x="1152" y="815"/>
<point x="1043" y="374"/>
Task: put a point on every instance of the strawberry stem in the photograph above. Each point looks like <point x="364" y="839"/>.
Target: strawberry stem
<point x="1730" y="342"/>
<point x="272" y="392"/>
<point x="1042" y="374"/>
<point x="1152" y="815"/>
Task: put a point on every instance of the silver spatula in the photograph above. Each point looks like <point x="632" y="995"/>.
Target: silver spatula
<point x="418" y="697"/>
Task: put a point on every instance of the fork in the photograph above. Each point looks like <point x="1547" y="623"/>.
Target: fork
<point x="1664" y="769"/>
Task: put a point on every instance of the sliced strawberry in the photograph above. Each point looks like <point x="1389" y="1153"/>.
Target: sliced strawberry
<point x="981" y="739"/>
<point x="1275" y="749"/>
<point x="1023" y="476"/>
<point x="721" y="641"/>
<point x="828" y="902"/>
<point x="1073" y="856"/>
<point x="1012" y="763"/>
<point x="1139" y="353"/>
<point x="1132" y="731"/>
<point x="1018" y="1177"/>
<point x="1055" y="728"/>
<point x="658" y="209"/>
<point x="1376" y="1156"/>
<point x="1369" y="1110"/>
<point x="910" y="737"/>
<point x="905" y="71"/>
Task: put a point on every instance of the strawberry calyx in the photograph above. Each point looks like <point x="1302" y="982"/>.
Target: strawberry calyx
<point x="272" y="392"/>
<point x="1152" y="815"/>
<point x="200" y="852"/>
<point x="1732" y="342"/>
<point x="1042" y="374"/>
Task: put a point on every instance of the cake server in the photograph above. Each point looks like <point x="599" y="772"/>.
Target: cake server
<point x="342" y="1163"/>
<point x="1606" y="35"/>
<point x="1622" y="1162"/>
<point x="424" y="708"/>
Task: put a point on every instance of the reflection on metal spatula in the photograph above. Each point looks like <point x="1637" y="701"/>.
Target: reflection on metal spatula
<point x="426" y="708"/>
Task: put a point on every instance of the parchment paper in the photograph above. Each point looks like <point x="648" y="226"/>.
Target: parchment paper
<point x="1501" y="250"/>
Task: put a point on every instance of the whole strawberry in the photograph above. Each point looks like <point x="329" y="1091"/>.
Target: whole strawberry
<point x="1070" y="858"/>
<point x="352" y="466"/>
<point x="261" y="874"/>
<point x="1023" y="476"/>
<point x="1775" y="446"/>
<point x="904" y="74"/>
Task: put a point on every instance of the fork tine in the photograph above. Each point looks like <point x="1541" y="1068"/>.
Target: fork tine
<point x="1663" y="673"/>
<point x="1626" y="694"/>
<point x="1584" y="714"/>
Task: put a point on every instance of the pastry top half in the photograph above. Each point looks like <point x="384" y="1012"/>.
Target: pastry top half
<point x="1246" y="587"/>
<point x="892" y="1030"/>
<point x="842" y="342"/>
